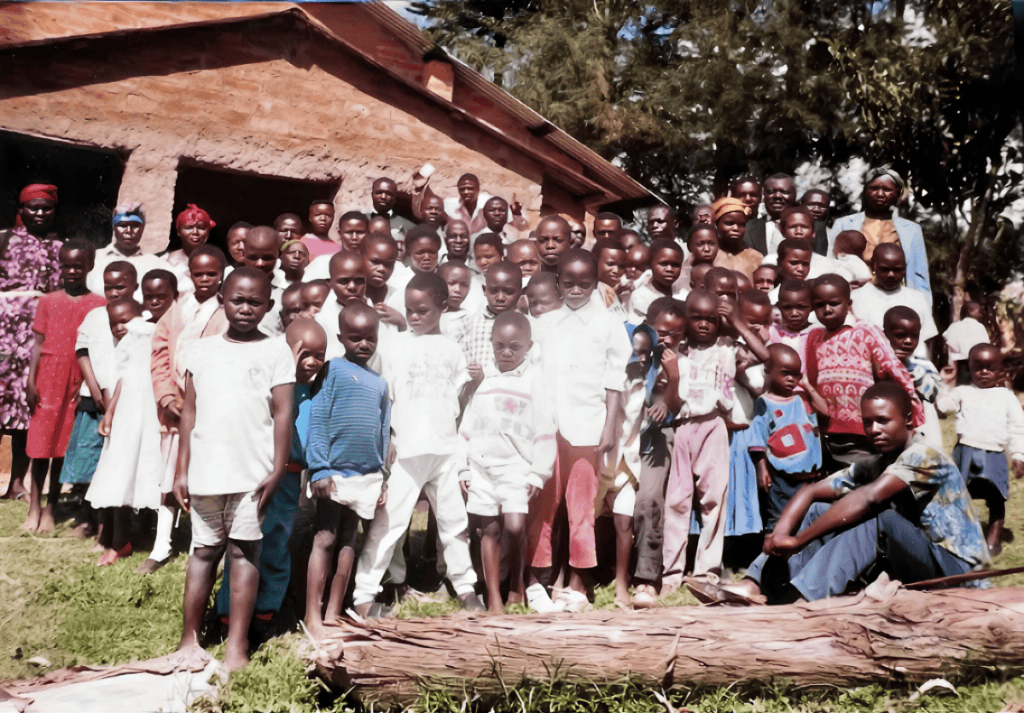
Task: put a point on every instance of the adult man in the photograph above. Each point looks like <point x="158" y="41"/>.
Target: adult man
<point x="764" y="234"/>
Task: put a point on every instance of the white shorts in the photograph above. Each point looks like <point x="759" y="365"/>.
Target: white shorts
<point x="358" y="492"/>
<point x="498" y="491"/>
<point x="219" y="518"/>
<point x="616" y="492"/>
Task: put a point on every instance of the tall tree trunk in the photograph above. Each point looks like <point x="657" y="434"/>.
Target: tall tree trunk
<point x="885" y="634"/>
<point x="962" y="271"/>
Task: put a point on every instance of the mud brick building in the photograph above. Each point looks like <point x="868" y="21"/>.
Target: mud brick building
<point x="253" y="109"/>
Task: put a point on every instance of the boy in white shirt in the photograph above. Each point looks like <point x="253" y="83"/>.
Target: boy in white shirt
<point x="235" y="437"/>
<point x="427" y="376"/>
<point x="506" y="452"/>
<point x="963" y="336"/>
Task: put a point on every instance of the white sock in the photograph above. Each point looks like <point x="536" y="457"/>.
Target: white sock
<point x="164" y="526"/>
<point x="538" y="599"/>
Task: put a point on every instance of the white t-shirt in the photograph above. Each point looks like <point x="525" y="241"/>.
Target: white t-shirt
<point x="960" y="338"/>
<point x="143" y="263"/>
<point x="870" y="303"/>
<point x="425" y="375"/>
<point x="94" y="334"/>
<point x="233" y="437"/>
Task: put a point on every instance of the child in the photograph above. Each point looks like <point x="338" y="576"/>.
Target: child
<point x="796" y="318"/>
<point x="54" y="378"/>
<point x="843" y="360"/>
<point x="871" y="301"/>
<point x="722" y="281"/>
<point x="291" y="303"/>
<point x="613" y="285"/>
<point x="294" y="259"/>
<point x="989" y="425"/>
<point x="426" y="374"/>
<point x="235" y="440"/>
<point x="666" y="264"/>
<point x="261" y="252"/>
<point x="237" y="234"/>
<point x="765" y="277"/>
<point x="456" y="241"/>
<point x="192" y="317"/>
<point x="583" y="357"/>
<point x="384" y="290"/>
<point x="128" y="473"/>
<point x="353" y="226"/>
<point x="783" y="435"/>
<point x="321" y="217"/>
<point x="707" y="369"/>
<point x="902" y="327"/>
<point x="314" y="294"/>
<point x="963" y="336"/>
<point x="487" y="250"/>
<point x="159" y="290"/>
<point x="459" y="278"/>
<point x="731" y="222"/>
<point x="747" y="190"/>
<point x="554" y="237"/>
<point x="506" y="452"/>
<point x="525" y="254"/>
<point x="289" y="227"/>
<point x="503" y="288"/>
<point x="703" y="243"/>
<point x="348" y="283"/>
<point x="699" y="275"/>
<point x="542" y="298"/>
<point x="638" y="262"/>
<point x="422" y="245"/>
<point x="848" y="255"/>
<point x="346" y="451"/>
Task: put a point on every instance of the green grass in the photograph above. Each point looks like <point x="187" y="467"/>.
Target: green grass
<point x="55" y="603"/>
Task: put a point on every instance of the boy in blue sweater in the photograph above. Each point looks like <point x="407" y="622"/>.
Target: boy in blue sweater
<point x="346" y="449"/>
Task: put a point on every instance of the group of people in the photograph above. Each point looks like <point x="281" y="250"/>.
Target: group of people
<point x="768" y="377"/>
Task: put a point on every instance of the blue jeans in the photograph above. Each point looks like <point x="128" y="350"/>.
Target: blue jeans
<point x="827" y="566"/>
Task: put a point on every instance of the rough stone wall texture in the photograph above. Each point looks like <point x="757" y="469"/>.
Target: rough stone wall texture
<point x="266" y="101"/>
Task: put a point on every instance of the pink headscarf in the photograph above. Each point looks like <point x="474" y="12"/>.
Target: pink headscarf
<point x="30" y="193"/>
<point x="193" y="214"/>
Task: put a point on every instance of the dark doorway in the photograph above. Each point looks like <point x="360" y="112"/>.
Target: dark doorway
<point x="230" y="197"/>
<point x="87" y="179"/>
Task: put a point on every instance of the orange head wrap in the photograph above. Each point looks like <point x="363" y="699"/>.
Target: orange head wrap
<point x="728" y="205"/>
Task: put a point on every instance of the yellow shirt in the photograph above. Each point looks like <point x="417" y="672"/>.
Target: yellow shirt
<point x="877" y="232"/>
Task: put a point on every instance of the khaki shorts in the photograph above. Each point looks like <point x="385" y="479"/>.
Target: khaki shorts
<point x="498" y="491"/>
<point x="219" y="518"/>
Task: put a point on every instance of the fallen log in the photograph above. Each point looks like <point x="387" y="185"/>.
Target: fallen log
<point x="887" y="633"/>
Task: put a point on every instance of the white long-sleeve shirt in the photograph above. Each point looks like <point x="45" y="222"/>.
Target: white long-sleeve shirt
<point x="509" y="423"/>
<point x="989" y="419"/>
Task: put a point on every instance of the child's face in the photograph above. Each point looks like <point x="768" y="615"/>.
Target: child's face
<point x="348" y="281"/>
<point x="423" y="254"/>
<point x="750" y="193"/>
<point x="830" y="306"/>
<point x="496" y="215"/>
<point x="611" y="266"/>
<point x="890" y="269"/>
<point x="697" y="275"/>
<point x="313" y="298"/>
<point x="308" y="363"/>
<point x="798" y="226"/>
<point x="295" y="258"/>
<point x="456" y="238"/>
<point x="421" y="312"/>
<point x="502" y="290"/>
<point x="764" y="279"/>
<point x="759" y="317"/>
<point x="288" y="229"/>
<point x="795" y="308"/>
<point x="638" y="261"/>
<point x="378" y="263"/>
<point x="433" y="211"/>
<point x="665" y="268"/>
<point x="723" y="286"/>
<point x="576" y="282"/>
<point x="885" y="425"/>
<point x="321" y="216"/>
<point x="291" y="306"/>
<point x="120" y="316"/>
<point x="205" y="271"/>
<point x="784" y="373"/>
<point x="642" y="346"/>
<point x="193" y="235"/>
<point x="552" y="242"/>
<point x="157" y="297"/>
<point x="352" y="232"/>
<point x="525" y="256"/>
<point x="485" y="256"/>
<point x="670" y="329"/>
<point x="732" y="226"/>
<point x="74" y="267"/>
<point x="704" y="245"/>
<point x="246" y="302"/>
<point x="702" y="322"/>
<point x="542" y="299"/>
<point x="117" y="285"/>
<point x="358" y="335"/>
<point x="795" y="264"/>
<point x="903" y="335"/>
<point x="510" y="346"/>
<point x="261" y="254"/>
<point x="459" y="281"/>
<point x="236" y="244"/>
<point x="986" y="367"/>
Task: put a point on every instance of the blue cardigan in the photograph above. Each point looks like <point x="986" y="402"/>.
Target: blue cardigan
<point x="911" y="239"/>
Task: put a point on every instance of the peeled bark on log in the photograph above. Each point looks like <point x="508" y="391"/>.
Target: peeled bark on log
<point x="884" y="634"/>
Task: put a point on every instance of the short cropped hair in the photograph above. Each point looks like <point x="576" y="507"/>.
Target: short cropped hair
<point x="660" y="244"/>
<point x="250" y="272"/>
<point x="122" y="266"/>
<point x="834" y="280"/>
<point x="212" y="250"/>
<point x="578" y="255"/>
<point x="793" y="244"/>
<point x="353" y="215"/>
<point x="900" y="313"/>
<point x="794" y="284"/>
<point x="418" y="232"/>
<point x="432" y="284"/>
<point x="514" y="318"/>
<point x="80" y="245"/>
<point x="607" y="244"/>
<point x="377" y="239"/>
<point x="161" y="274"/>
<point x="754" y="296"/>
<point x="890" y="391"/>
<point x="665" y="305"/>
<point x="492" y="239"/>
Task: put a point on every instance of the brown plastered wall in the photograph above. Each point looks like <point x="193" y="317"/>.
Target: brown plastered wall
<point x="272" y="99"/>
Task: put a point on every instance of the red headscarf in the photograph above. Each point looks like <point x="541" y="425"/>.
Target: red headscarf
<point x="193" y="214"/>
<point x="30" y="193"/>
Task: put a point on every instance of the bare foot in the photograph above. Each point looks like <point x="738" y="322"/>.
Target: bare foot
<point x="495" y="610"/>
<point x="189" y="657"/>
<point x="98" y="548"/>
<point x="46" y="520"/>
<point x="235" y="659"/>
<point x="81" y="531"/>
<point x="516" y="598"/>
<point x="315" y="628"/>
<point x="15" y="491"/>
<point x="363" y="610"/>
<point x="32" y="522"/>
<point x="107" y="558"/>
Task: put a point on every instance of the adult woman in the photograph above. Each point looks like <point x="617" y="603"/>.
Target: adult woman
<point x="882" y="190"/>
<point x="28" y="268"/>
<point x="129" y="221"/>
<point x="193" y="226"/>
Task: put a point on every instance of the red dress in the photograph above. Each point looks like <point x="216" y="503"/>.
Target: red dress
<point x="58" y="377"/>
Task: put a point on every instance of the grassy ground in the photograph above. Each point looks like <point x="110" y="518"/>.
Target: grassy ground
<point x="56" y="604"/>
